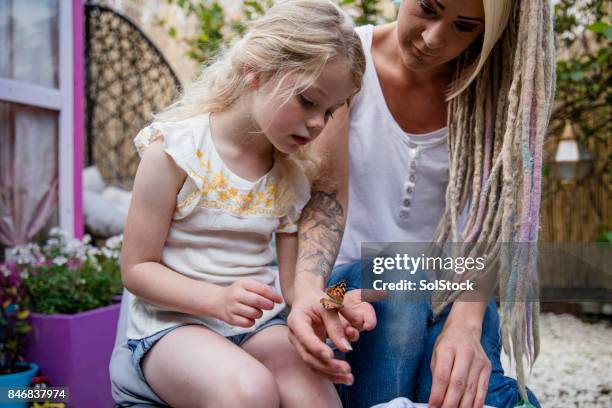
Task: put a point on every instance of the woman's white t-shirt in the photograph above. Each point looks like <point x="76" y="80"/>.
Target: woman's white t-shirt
<point x="398" y="180"/>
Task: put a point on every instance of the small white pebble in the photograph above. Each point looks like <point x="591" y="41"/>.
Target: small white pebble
<point x="574" y="368"/>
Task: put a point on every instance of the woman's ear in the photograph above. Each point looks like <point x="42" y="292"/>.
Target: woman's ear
<point x="250" y="77"/>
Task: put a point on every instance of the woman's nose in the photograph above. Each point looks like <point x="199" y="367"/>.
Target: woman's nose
<point x="434" y="35"/>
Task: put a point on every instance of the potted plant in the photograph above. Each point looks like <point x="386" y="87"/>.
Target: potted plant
<point x="15" y="372"/>
<point x="69" y="285"/>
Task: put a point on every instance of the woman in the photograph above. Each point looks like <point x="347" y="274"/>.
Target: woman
<point x="443" y="143"/>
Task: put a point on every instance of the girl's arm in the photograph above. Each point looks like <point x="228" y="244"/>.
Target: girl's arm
<point x="286" y="252"/>
<point x="156" y="186"/>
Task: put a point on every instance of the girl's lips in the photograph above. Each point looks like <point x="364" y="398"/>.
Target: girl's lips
<point x="300" y="140"/>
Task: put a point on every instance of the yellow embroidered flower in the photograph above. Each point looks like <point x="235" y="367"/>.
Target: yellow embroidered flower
<point x="261" y="196"/>
<point x="208" y="186"/>
<point x="269" y="203"/>
<point x="223" y="196"/>
<point x="199" y="153"/>
<point x="271" y="189"/>
<point x="219" y="181"/>
<point x="233" y="192"/>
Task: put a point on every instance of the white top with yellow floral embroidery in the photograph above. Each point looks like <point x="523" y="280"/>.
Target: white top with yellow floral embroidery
<point x="222" y="225"/>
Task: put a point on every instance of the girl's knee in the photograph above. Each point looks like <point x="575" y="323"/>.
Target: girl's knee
<point x="253" y="387"/>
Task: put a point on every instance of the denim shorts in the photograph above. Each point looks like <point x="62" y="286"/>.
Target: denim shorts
<point x="140" y="347"/>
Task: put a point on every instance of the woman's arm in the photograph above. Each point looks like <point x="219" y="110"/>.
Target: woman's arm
<point x="322" y="223"/>
<point x="319" y="236"/>
<point x="156" y="186"/>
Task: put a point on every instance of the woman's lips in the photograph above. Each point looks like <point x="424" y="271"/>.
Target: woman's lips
<point x="420" y="54"/>
<point x="300" y="140"/>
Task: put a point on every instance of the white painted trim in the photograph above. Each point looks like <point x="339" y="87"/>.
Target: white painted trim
<point x="30" y="94"/>
<point x="66" y="119"/>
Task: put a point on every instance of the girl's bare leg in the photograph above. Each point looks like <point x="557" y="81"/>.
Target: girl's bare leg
<point x="194" y="367"/>
<point x="298" y="384"/>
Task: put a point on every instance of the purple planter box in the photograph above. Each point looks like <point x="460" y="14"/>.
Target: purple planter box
<point x="74" y="351"/>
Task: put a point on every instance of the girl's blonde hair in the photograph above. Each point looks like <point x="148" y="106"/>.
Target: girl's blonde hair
<point x="293" y="38"/>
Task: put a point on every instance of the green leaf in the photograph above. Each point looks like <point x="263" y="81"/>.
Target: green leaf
<point x="524" y="404"/>
<point x="576" y="76"/>
<point x="605" y="237"/>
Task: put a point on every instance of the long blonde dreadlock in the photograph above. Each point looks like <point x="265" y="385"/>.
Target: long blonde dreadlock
<point x="496" y="134"/>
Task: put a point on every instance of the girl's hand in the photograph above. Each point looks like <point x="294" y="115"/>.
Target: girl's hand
<point x="241" y="303"/>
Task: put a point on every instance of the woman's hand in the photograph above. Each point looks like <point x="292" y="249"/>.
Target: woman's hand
<point x="460" y="367"/>
<point x="244" y="301"/>
<point x="309" y="326"/>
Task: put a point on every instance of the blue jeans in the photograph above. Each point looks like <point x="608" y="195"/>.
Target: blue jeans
<point x="393" y="359"/>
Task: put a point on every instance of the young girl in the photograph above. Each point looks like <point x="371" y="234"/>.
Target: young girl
<point x="222" y="170"/>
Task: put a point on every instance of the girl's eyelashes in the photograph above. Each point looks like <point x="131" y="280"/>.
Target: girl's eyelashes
<point x="305" y="101"/>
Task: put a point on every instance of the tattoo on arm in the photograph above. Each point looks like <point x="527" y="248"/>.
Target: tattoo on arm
<point x="320" y="233"/>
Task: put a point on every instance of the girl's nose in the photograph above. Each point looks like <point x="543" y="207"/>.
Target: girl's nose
<point x="315" y="124"/>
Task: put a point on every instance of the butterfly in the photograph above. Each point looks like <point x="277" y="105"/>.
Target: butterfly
<point x="336" y="294"/>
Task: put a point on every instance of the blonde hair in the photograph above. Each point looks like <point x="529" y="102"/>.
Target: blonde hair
<point x="497" y="121"/>
<point x="496" y="13"/>
<point x="294" y="37"/>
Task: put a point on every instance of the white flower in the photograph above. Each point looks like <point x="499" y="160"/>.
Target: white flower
<point x="24" y="274"/>
<point x="5" y="271"/>
<point x="108" y="253"/>
<point x="57" y="232"/>
<point x="24" y="258"/>
<point x="60" y="260"/>
<point x="86" y="239"/>
<point x="93" y="252"/>
<point x="114" y="242"/>
<point x="52" y="242"/>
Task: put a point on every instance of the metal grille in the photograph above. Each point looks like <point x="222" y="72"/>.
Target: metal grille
<point x="127" y="80"/>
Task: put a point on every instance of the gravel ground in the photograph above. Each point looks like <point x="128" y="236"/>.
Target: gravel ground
<point x="574" y="368"/>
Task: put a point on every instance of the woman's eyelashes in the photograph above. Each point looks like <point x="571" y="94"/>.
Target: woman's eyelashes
<point x="465" y="27"/>
<point x="430" y="11"/>
<point x="427" y="8"/>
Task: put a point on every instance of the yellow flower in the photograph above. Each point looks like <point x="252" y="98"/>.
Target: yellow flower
<point x="219" y="181"/>
<point x="233" y="192"/>
<point x="223" y="196"/>
<point x="271" y="189"/>
<point x="199" y="154"/>
<point x="269" y="202"/>
<point x="261" y="196"/>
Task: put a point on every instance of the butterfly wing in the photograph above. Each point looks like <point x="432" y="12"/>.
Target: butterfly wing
<point x="336" y="294"/>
